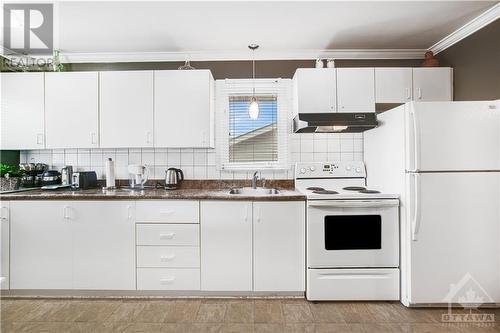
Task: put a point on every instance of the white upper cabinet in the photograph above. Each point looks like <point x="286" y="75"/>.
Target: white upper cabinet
<point x="184" y="108"/>
<point x="355" y="90"/>
<point x="226" y="245"/>
<point x="315" y="90"/>
<point x="433" y="84"/>
<point x="71" y="110"/>
<point x="393" y="85"/>
<point x="126" y="105"/>
<point x="22" y="114"/>
<point x="279" y="246"/>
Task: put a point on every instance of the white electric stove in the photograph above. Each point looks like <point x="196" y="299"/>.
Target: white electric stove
<point x="352" y="234"/>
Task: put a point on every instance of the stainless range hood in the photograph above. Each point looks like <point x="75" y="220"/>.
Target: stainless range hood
<point x="334" y="122"/>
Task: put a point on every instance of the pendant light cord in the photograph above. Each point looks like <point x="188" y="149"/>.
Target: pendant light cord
<point x="253" y="71"/>
<point x="253" y="47"/>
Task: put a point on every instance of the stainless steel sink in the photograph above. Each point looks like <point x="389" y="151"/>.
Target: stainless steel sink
<point x="254" y="191"/>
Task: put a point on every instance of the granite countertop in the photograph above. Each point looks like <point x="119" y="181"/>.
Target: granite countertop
<point x="126" y="194"/>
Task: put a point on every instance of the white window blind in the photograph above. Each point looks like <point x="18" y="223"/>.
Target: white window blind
<point x="249" y="144"/>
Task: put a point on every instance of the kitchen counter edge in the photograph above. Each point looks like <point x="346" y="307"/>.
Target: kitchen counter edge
<point x="183" y="194"/>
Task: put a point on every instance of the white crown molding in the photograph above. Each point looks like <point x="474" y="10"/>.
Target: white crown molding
<point x="467" y="29"/>
<point x="242" y="55"/>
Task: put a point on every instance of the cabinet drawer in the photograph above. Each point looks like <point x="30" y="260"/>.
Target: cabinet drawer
<point x="168" y="279"/>
<point x="168" y="234"/>
<point x="169" y="211"/>
<point x="168" y="256"/>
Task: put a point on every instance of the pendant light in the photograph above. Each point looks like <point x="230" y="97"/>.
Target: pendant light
<point x="253" y="107"/>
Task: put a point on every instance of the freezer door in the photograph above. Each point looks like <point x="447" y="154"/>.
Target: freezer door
<point x="446" y="136"/>
<point x="453" y="230"/>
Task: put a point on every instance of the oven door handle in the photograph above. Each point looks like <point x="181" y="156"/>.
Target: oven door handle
<point x="354" y="203"/>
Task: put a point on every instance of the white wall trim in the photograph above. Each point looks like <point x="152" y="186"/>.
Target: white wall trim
<point x="242" y="55"/>
<point x="467" y="29"/>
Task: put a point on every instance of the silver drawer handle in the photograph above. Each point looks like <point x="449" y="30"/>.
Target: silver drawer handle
<point x="167" y="258"/>
<point x="167" y="280"/>
<point x="166" y="212"/>
<point x="167" y="236"/>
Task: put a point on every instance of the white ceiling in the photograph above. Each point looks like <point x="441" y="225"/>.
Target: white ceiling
<point x="184" y="27"/>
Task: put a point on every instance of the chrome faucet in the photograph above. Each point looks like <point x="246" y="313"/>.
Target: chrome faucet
<point x="254" y="179"/>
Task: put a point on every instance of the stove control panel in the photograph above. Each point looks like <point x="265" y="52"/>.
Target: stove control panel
<point x="347" y="169"/>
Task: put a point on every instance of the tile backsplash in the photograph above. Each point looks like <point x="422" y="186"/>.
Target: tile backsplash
<point x="200" y="163"/>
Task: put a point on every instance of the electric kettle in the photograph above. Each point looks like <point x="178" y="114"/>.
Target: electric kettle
<point x="173" y="178"/>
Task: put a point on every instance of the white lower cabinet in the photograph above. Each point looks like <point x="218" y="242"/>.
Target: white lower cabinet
<point x="279" y="246"/>
<point x="72" y="245"/>
<point x="226" y="245"/>
<point x="4" y="244"/>
<point x="255" y="246"/>
<point x="103" y="250"/>
<point x="41" y="249"/>
<point x="104" y="245"/>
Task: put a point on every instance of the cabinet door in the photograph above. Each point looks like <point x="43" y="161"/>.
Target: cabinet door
<point x="184" y="109"/>
<point x="104" y="244"/>
<point x="279" y="246"/>
<point x="4" y="244"/>
<point x="226" y="245"/>
<point x="71" y="109"/>
<point x="41" y="247"/>
<point x="315" y="90"/>
<point x="22" y="124"/>
<point x="356" y="89"/>
<point x="393" y="85"/>
<point x="126" y="99"/>
<point x="433" y="84"/>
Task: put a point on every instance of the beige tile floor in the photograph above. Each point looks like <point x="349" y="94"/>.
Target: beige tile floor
<point x="219" y="315"/>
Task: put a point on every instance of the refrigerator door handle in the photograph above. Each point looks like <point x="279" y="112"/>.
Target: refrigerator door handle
<point x="416" y="136"/>
<point x="415" y="224"/>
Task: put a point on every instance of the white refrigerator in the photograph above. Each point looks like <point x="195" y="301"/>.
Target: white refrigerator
<point x="443" y="158"/>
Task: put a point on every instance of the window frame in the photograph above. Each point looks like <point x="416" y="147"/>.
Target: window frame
<point x="282" y="89"/>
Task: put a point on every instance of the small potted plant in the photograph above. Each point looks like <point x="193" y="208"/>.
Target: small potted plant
<point x="10" y="177"/>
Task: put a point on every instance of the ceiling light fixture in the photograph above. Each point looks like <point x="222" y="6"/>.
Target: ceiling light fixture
<point x="253" y="107"/>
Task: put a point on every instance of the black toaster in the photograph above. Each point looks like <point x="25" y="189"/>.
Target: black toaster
<point x="84" y="180"/>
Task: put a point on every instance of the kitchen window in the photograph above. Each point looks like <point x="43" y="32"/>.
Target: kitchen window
<point x="246" y="143"/>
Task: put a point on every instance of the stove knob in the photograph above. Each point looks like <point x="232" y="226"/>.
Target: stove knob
<point x="348" y="168"/>
<point x="358" y="170"/>
<point x="312" y="168"/>
<point x="302" y="170"/>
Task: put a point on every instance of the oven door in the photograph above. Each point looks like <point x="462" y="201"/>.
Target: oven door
<point x="352" y="233"/>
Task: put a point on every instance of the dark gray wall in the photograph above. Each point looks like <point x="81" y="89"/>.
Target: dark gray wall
<point x="476" y="64"/>
<point x="240" y="69"/>
<point x="10" y="157"/>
